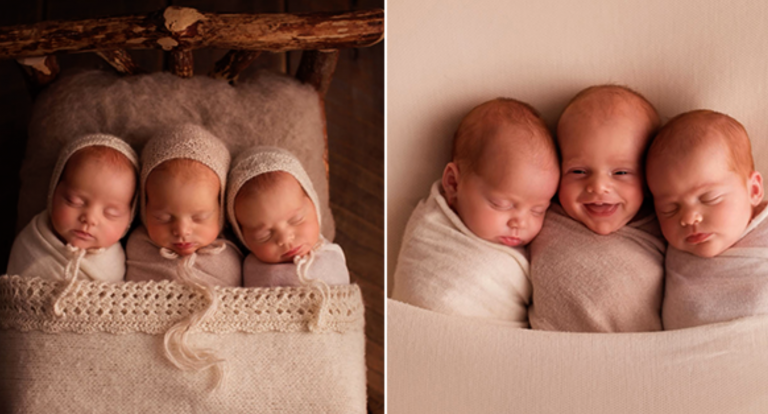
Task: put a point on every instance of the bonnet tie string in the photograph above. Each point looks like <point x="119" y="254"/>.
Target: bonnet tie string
<point x="302" y="270"/>
<point x="176" y="341"/>
<point x="70" y="274"/>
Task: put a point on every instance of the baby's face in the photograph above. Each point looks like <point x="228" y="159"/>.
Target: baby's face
<point x="182" y="213"/>
<point x="278" y="222"/>
<point x="92" y="203"/>
<point x="602" y="177"/>
<point x="702" y="204"/>
<point x="505" y="204"/>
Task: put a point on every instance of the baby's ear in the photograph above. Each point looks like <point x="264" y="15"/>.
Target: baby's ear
<point x="755" y="188"/>
<point x="450" y="182"/>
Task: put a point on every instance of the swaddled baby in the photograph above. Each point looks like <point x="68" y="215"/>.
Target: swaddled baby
<point x="91" y="202"/>
<point x="597" y="265"/>
<point x="708" y="198"/>
<point x="183" y="178"/>
<point x="462" y="252"/>
<point x="273" y="208"/>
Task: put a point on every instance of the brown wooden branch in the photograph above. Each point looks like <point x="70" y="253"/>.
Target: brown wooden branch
<point x="39" y="71"/>
<point x="232" y="64"/>
<point x="120" y="60"/>
<point x="316" y="68"/>
<point x="186" y="28"/>
<point x="182" y="63"/>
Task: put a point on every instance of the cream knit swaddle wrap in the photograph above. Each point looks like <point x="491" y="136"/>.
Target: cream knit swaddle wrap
<point x="731" y="285"/>
<point x="446" y="268"/>
<point x="37" y="251"/>
<point x="586" y="282"/>
<point x="190" y="142"/>
<point x="260" y="160"/>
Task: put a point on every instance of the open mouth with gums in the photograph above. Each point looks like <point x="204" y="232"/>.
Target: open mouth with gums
<point x="601" y="209"/>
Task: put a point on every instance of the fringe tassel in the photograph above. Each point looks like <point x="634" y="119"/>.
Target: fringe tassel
<point x="302" y="270"/>
<point x="176" y="341"/>
<point x="70" y="275"/>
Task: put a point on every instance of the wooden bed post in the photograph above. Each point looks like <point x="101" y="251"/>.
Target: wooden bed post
<point x="232" y="64"/>
<point x="39" y="71"/>
<point x="316" y="68"/>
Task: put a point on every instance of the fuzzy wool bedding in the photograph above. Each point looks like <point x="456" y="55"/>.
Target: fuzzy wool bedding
<point x="105" y="354"/>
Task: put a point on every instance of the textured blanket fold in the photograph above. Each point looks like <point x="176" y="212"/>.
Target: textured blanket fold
<point x="38" y="252"/>
<point x="145" y="262"/>
<point x="329" y="265"/>
<point x="586" y="282"/>
<point x="445" y="267"/>
<point x="734" y="284"/>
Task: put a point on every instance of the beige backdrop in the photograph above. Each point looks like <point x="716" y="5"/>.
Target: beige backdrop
<point x="444" y="57"/>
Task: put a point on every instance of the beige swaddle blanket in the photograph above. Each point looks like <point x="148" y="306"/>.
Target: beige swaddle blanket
<point x="446" y="268"/>
<point x="145" y="262"/>
<point x="731" y="285"/>
<point x="329" y="265"/>
<point x="38" y="252"/>
<point x="586" y="282"/>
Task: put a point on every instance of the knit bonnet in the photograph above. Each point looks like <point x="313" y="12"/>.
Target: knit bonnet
<point x="259" y="160"/>
<point x="91" y="140"/>
<point x="188" y="141"/>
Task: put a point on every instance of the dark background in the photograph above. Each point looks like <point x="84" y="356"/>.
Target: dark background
<point x="355" y="115"/>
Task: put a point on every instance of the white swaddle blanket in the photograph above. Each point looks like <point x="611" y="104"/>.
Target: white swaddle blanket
<point x="38" y="252"/>
<point x="731" y="285"/>
<point x="586" y="282"/>
<point x="329" y="265"/>
<point x="446" y="268"/>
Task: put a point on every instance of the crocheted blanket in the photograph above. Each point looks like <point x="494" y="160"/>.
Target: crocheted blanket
<point x="586" y="282"/>
<point x="445" y="267"/>
<point x="731" y="285"/>
<point x="78" y="364"/>
<point x="38" y="252"/>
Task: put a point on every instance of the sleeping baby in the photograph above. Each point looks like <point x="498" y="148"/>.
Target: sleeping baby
<point x="597" y="265"/>
<point x="463" y="248"/>
<point x="273" y="208"/>
<point x="183" y="178"/>
<point x="708" y="198"/>
<point x="91" y="202"/>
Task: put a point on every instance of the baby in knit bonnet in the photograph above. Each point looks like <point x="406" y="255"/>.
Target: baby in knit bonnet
<point x="91" y="202"/>
<point x="273" y="208"/>
<point x="183" y="177"/>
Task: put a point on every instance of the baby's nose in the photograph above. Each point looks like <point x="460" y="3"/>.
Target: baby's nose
<point x="598" y="185"/>
<point x="691" y="217"/>
<point x="284" y="238"/>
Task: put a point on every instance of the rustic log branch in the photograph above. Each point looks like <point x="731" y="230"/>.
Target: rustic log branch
<point x="182" y="63"/>
<point x="186" y="28"/>
<point x="232" y="64"/>
<point x="39" y="71"/>
<point x="120" y="60"/>
<point x="316" y="68"/>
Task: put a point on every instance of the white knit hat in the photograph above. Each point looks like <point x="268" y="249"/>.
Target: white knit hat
<point x="259" y="160"/>
<point x="188" y="141"/>
<point x="91" y="140"/>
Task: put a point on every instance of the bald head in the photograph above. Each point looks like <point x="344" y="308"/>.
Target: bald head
<point x="502" y="128"/>
<point x="605" y="102"/>
<point x="704" y="128"/>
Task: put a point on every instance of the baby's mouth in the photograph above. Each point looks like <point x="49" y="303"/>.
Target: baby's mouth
<point x="601" y="209"/>
<point x="697" y="238"/>
<point x="511" y="241"/>
<point x="293" y="252"/>
<point x="83" y="235"/>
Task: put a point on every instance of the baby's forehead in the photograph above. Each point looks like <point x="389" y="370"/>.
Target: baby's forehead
<point x="183" y="170"/>
<point x="267" y="183"/>
<point x="101" y="155"/>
